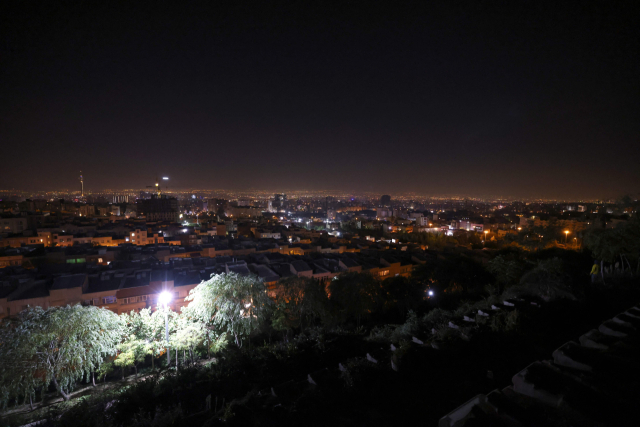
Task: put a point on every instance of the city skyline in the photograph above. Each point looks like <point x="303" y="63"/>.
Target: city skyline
<point x="523" y="101"/>
<point x="261" y="194"/>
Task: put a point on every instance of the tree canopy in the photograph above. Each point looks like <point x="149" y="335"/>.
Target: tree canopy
<point x="58" y="345"/>
<point x="231" y="304"/>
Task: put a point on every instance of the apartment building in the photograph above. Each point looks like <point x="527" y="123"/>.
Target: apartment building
<point x="12" y="225"/>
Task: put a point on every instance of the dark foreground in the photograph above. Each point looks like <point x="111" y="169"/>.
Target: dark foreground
<point x="274" y="384"/>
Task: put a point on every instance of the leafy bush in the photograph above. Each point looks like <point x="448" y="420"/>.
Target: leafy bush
<point x="505" y="321"/>
<point x="358" y="371"/>
<point x="547" y="281"/>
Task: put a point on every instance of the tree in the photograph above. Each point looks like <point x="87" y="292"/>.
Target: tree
<point x="401" y="294"/>
<point x="457" y="272"/>
<point x="132" y="352"/>
<point x="157" y="330"/>
<point x="621" y="243"/>
<point x="300" y="301"/>
<point x="189" y="334"/>
<point x="289" y="306"/>
<point x="138" y="340"/>
<point x="283" y="319"/>
<point x="315" y="301"/>
<point x="354" y="295"/>
<point x="506" y="271"/>
<point x="55" y="346"/>
<point x="231" y="304"/>
<point x="548" y="281"/>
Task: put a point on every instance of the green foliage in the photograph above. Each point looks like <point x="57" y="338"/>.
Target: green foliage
<point x="190" y="333"/>
<point x="414" y="325"/>
<point x="455" y="272"/>
<point x="232" y="304"/>
<point x="315" y="302"/>
<point x="547" y="281"/>
<point x="156" y="328"/>
<point x="59" y="345"/>
<point x="464" y="309"/>
<point x="104" y="370"/>
<point x="401" y="294"/>
<point x="289" y="304"/>
<point x="438" y="316"/>
<point x="354" y="295"/>
<point x="301" y="301"/>
<point x="132" y="352"/>
<point x="506" y="271"/>
<point x="505" y="321"/>
<point x="358" y="372"/>
<point x="430" y="240"/>
<point x="608" y="244"/>
<point x="282" y="319"/>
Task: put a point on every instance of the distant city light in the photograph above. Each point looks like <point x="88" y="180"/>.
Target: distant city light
<point x="166" y="178"/>
<point x="430" y="293"/>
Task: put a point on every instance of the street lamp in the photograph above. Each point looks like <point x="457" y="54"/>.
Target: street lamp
<point x="566" y="236"/>
<point x="485" y="238"/>
<point x="165" y="298"/>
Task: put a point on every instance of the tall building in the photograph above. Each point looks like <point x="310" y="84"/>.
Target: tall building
<point x="216" y="206"/>
<point x="280" y="201"/>
<point x="385" y="200"/>
<point x="159" y="208"/>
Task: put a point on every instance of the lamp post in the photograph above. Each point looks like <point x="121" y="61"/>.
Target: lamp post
<point x="485" y="238"/>
<point x="566" y="236"/>
<point x="165" y="299"/>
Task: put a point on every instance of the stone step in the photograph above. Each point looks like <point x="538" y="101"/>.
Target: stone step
<point x="460" y="414"/>
<point x="616" y="329"/>
<point x="596" y="339"/>
<point x="630" y="320"/>
<point x="570" y="356"/>
<point x="633" y="312"/>
<point x="536" y="381"/>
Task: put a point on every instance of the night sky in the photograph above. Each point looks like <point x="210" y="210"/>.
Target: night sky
<point x="519" y="98"/>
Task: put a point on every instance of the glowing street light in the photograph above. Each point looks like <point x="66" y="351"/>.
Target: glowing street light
<point x="566" y="235"/>
<point x="430" y="293"/>
<point x="165" y="298"/>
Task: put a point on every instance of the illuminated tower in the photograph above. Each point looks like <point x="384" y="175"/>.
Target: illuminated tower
<point x="81" y="185"/>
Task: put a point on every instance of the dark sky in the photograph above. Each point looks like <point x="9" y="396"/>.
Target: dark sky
<point x="519" y="98"/>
